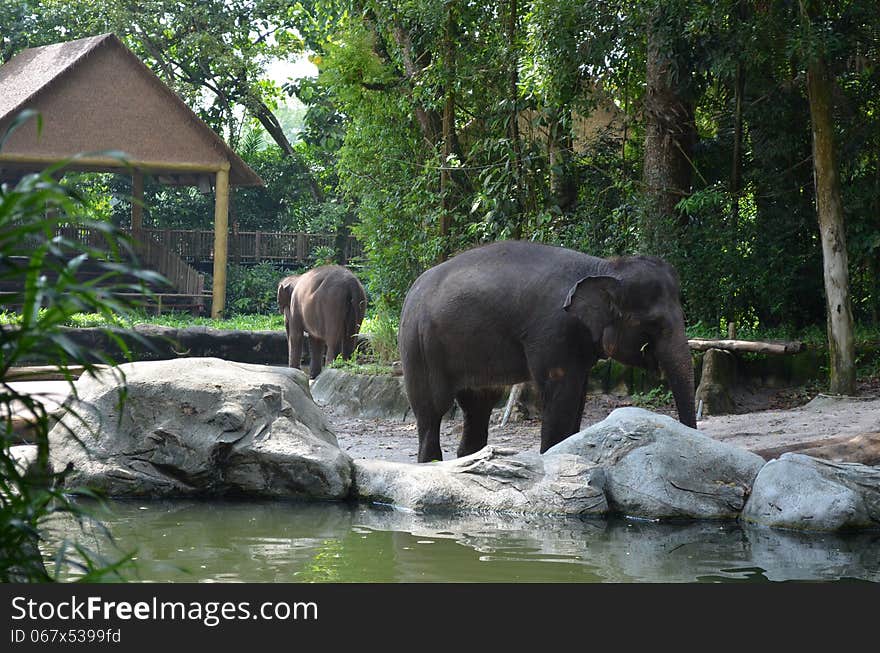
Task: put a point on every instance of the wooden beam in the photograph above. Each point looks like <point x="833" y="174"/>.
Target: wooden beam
<point x="221" y="228"/>
<point x="111" y="164"/>
<point x="137" y="203"/>
<point x="755" y="347"/>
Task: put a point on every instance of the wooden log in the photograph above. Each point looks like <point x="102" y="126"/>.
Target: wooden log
<point x="863" y="448"/>
<point x="515" y="392"/>
<point x="44" y="373"/>
<point x="751" y="346"/>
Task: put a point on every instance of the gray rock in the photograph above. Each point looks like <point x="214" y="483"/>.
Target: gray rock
<point x="804" y="493"/>
<point x="199" y="427"/>
<point x="490" y="480"/>
<point x="655" y="467"/>
<point x="24" y="456"/>
<point x="363" y="395"/>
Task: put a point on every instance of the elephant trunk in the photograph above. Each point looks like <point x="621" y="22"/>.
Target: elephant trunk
<point x="676" y="362"/>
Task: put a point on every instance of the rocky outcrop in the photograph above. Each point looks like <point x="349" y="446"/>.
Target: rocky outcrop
<point x="491" y="480"/>
<point x="804" y="493"/>
<point x="656" y="468"/>
<point x="25" y="458"/>
<point x="199" y="427"/>
<point x="363" y="395"/>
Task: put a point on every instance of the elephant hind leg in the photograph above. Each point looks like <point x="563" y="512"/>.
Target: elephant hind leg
<point x="316" y="354"/>
<point x="429" y="406"/>
<point x="429" y="436"/>
<point x="294" y="327"/>
<point x="477" y="405"/>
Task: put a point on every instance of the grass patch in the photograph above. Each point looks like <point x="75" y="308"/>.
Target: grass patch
<point x="380" y="329"/>
<point x="653" y="398"/>
<point x="176" y="320"/>
<point x="354" y="365"/>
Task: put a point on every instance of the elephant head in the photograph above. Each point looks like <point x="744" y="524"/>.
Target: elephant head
<point x="633" y="313"/>
<point x="285" y="292"/>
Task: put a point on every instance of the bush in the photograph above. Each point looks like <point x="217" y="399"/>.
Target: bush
<point x="254" y="289"/>
<point x="50" y="293"/>
<point x="380" y="330"/>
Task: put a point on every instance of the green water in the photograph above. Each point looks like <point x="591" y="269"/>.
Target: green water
<point x="291" y="542"/>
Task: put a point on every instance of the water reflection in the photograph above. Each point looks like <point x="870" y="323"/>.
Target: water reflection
<point x="290" y="542"/>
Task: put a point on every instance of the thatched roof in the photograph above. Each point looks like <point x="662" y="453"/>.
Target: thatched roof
<point x="94" y="96"/>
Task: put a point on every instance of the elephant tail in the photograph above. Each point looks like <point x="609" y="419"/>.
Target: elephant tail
<point x="354" y="314"/>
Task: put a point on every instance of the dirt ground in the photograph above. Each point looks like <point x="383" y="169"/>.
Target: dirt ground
<point x="764" y="418"/>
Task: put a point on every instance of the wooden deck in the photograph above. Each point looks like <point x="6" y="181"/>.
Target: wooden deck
<point x="173" y="253"/>
<point x="290" y="248"/>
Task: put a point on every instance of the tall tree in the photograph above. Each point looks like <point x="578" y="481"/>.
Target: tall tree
<point x="670" y="128"/>
<point x="829" y="208"/>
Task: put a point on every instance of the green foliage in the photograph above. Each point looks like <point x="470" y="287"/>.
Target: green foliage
<point x="531" y="154"/>
<point x="653" y="398"/>
<point x="45" y="269"/>
<point x="355" y="366"/>
<point x="323" y="255"/>
<point x="253" y="289"/>
<point x="381" y="332"/>
<point x="244" y="322"/>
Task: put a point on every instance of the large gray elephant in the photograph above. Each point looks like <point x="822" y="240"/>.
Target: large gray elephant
<point x="328" y="303"/>
<point x="514" y="311"/>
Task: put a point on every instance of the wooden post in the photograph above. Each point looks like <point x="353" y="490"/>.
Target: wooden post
<point x="137" y="204"/>
<point x="221" y="227"/>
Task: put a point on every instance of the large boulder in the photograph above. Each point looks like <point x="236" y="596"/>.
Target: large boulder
<point x="804" y="493"/>
<point x="199" y="427"/>
<point x="363" y="395"/>
<point x="490" y="480"/>
<point x="656" y="468"/>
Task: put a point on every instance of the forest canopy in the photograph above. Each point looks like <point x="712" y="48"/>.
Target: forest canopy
<point x="676" y="128"/>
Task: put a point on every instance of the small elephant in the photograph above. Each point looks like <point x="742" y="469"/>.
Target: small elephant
<point x="328" y="303"/>
<point x="514" y="311"/>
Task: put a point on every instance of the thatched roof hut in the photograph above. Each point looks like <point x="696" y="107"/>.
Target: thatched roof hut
<point x="96" y="97"/>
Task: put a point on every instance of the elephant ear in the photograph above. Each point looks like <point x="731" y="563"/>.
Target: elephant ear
<point x="285" y="292"/>
<point x="595" y="301"/>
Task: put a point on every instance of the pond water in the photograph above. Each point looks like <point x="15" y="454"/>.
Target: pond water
<point x="186" y="541"/>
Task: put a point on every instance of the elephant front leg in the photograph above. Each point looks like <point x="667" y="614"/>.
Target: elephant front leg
<point x="563" y="400"/>
<point x="316" y="354"/>
<point x="477" y="407"/>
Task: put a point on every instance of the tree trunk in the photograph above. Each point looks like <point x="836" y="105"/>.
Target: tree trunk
<point x="560" y="144"/>
<point x="736" y="163"/>
<point x="513" y="124"/>
<point x="829" y="208"/>
<point x="670" y="136"/>
<point x="448" y="148"/>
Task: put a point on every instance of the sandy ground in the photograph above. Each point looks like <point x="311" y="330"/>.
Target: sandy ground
<point x="767" y="418"/>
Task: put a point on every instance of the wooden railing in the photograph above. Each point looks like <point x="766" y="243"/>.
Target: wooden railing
<point x="187" y="283"/>
<point x="251" y="246"/>
<point x="183" y="277"/>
